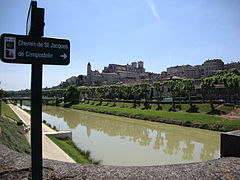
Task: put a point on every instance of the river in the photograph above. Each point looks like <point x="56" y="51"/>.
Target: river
<point x="123" y="141"/>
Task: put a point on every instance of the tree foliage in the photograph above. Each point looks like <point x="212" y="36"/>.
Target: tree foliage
<point x="72" y="95"/>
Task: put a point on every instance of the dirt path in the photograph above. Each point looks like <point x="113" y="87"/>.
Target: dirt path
<point x="50" y="149"/>
<point x="233" y="115"/>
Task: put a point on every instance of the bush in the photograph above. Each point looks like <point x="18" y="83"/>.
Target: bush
<point x="19" y="123"/>
<point x="187" y="123"/>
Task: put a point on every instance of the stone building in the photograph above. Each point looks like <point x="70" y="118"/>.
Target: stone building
<point x="114" y="73"/>
<point x="179" y="71"/>
<point x="210" y="67"/>
<point x="194" y="72"/>
<point x="232" y="65"/>
<point x="134" y="67"/>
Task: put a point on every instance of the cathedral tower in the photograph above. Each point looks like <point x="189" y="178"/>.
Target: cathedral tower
<point x="89" y="72"/>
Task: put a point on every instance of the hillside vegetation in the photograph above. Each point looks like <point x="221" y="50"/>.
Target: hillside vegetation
<point x="12" y="136"/>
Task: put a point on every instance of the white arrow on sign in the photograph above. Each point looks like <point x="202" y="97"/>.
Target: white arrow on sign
<point x="64" y="56"/>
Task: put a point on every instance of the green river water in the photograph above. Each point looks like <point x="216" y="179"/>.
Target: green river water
<point x="123" y="141"/>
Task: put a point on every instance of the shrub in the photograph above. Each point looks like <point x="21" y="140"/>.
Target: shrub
<point x="186" y="123"/>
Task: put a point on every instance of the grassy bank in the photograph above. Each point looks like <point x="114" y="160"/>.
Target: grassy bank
<point x="198" y="120"/>
<point x="73" y="151"/>
<point x="12" y="136"/>
<point x="7" y="111"/>
<point x="203" y="108"/>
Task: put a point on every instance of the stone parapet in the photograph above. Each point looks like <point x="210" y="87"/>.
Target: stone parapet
<point x="14" y="165"/>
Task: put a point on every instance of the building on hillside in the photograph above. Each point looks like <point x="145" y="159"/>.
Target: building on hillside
<point x="179" y="71"/>
<point x="232" y="65"/>
<point x="210" y="67"/>
<point x="114" y="73"/>
<point x="194" y="72"/>
<point x="164" y="74"/>
<point x="134" y="67"/>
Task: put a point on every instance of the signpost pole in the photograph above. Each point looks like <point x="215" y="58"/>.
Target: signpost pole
<point x="36" y="121"/>
<point x="36" y="102"/>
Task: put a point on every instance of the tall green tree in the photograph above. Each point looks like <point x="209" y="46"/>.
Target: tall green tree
<point x="113" y="92"/>
<point x="188" y="88"/>
<point x="159" y="88"/>
<point x="145" y="92"/>
<point x="72" y="95"/>
<point x="208" y="84"/>
<point x="173" y="88"/>
<point x="101" y="93"/>
<point x="236" y="85"/>
<point x="136" y="93"/>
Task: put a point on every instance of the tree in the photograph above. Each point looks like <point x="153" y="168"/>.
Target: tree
<point x="113" y="92"/>
<point x="173" y="89"/>
<point x="126" y="91"/>
<point x="159" y="88"/>
<point x="101" y="93"/>
<point x="208" y="84"/>
<point x="188" y="87"/>
<point x="145" y="92"/>
<point x="136" y="92"/>
<point x="72" y="95"/>
<point x="236" y="85"/>
<point x="230" y="80"/>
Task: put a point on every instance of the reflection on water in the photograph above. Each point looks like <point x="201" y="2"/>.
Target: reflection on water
<point x="123" y="141"/>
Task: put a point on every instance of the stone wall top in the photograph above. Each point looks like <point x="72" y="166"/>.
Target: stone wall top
<point x="14" y="165"/>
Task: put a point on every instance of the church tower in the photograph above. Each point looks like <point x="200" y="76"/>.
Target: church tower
<point x="89" y="72"/>
<point x="89" y="69"/>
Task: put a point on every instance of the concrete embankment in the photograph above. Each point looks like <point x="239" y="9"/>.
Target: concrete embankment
<point x="14" y="165"/>
<point x="50" y="149"/>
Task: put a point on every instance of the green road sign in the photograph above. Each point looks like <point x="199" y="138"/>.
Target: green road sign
<point x="34" y="50"/>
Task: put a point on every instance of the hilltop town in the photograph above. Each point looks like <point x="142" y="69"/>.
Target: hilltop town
<point x="135" y="72"/>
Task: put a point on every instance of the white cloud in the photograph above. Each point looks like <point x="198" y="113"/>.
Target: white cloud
<point x="153" y="8"/>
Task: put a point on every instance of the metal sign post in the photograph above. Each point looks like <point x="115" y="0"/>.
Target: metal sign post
<point x="36" y="50"/>
<point x="36" y="121"/>
<point x="37" y="21"/>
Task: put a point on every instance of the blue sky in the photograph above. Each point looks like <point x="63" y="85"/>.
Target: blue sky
<point x="161" y="33"/>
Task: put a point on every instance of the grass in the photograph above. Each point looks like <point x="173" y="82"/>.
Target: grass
<point x="201" y="108"/>
<point x="199" y="120"/>
<point x="12" y="136"/>
<point x="7" y="111"/>
<point x="73" y="151"/>
<point x="49" y="125"/>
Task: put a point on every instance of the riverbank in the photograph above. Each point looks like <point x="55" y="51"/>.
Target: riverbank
<point x="12" y="136"/>
<point x="197" y="120"/>
<point x="68" y="146"/>
<point x="50" y="149"/>
<point x="8" y="112"/>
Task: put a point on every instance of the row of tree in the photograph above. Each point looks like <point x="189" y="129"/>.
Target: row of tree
<point x="146" y="91"/>
<point x="230" y="80"/>
<point x="134" y="92"/>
